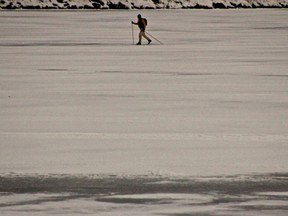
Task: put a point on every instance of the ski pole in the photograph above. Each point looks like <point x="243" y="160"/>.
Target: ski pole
<point x="154" y="38"/>
<point x="132" y="33"/>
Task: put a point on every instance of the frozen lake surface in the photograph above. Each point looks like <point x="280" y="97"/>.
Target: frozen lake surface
<point x="81" y="106"/>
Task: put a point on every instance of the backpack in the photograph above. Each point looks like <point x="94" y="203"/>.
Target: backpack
<point x="145" y="21"/>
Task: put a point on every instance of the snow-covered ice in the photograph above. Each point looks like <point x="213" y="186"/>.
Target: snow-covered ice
<point x="78" y="98"/>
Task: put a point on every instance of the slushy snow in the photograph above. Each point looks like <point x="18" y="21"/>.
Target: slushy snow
<point x="140" y="4"/>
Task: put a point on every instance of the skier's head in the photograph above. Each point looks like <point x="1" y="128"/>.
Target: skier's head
<point x="139" y="16"/>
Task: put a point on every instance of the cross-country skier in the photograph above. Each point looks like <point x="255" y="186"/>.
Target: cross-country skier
<point x="142" y="23"/>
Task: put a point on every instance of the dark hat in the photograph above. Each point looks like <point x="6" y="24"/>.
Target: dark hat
<point x="139" y="16"/>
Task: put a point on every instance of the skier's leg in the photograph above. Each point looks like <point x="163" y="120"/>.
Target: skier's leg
<point x="140" y="37"/>
<point x="146" y="37"/>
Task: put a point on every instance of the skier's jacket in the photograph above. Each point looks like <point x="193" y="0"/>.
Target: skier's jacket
<point x="142" y="23"/>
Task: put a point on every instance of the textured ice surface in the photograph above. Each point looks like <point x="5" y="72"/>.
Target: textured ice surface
<point x="143" y="195"/>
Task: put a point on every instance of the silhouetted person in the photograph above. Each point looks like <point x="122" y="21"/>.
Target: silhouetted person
<point x="142" y="23"/>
